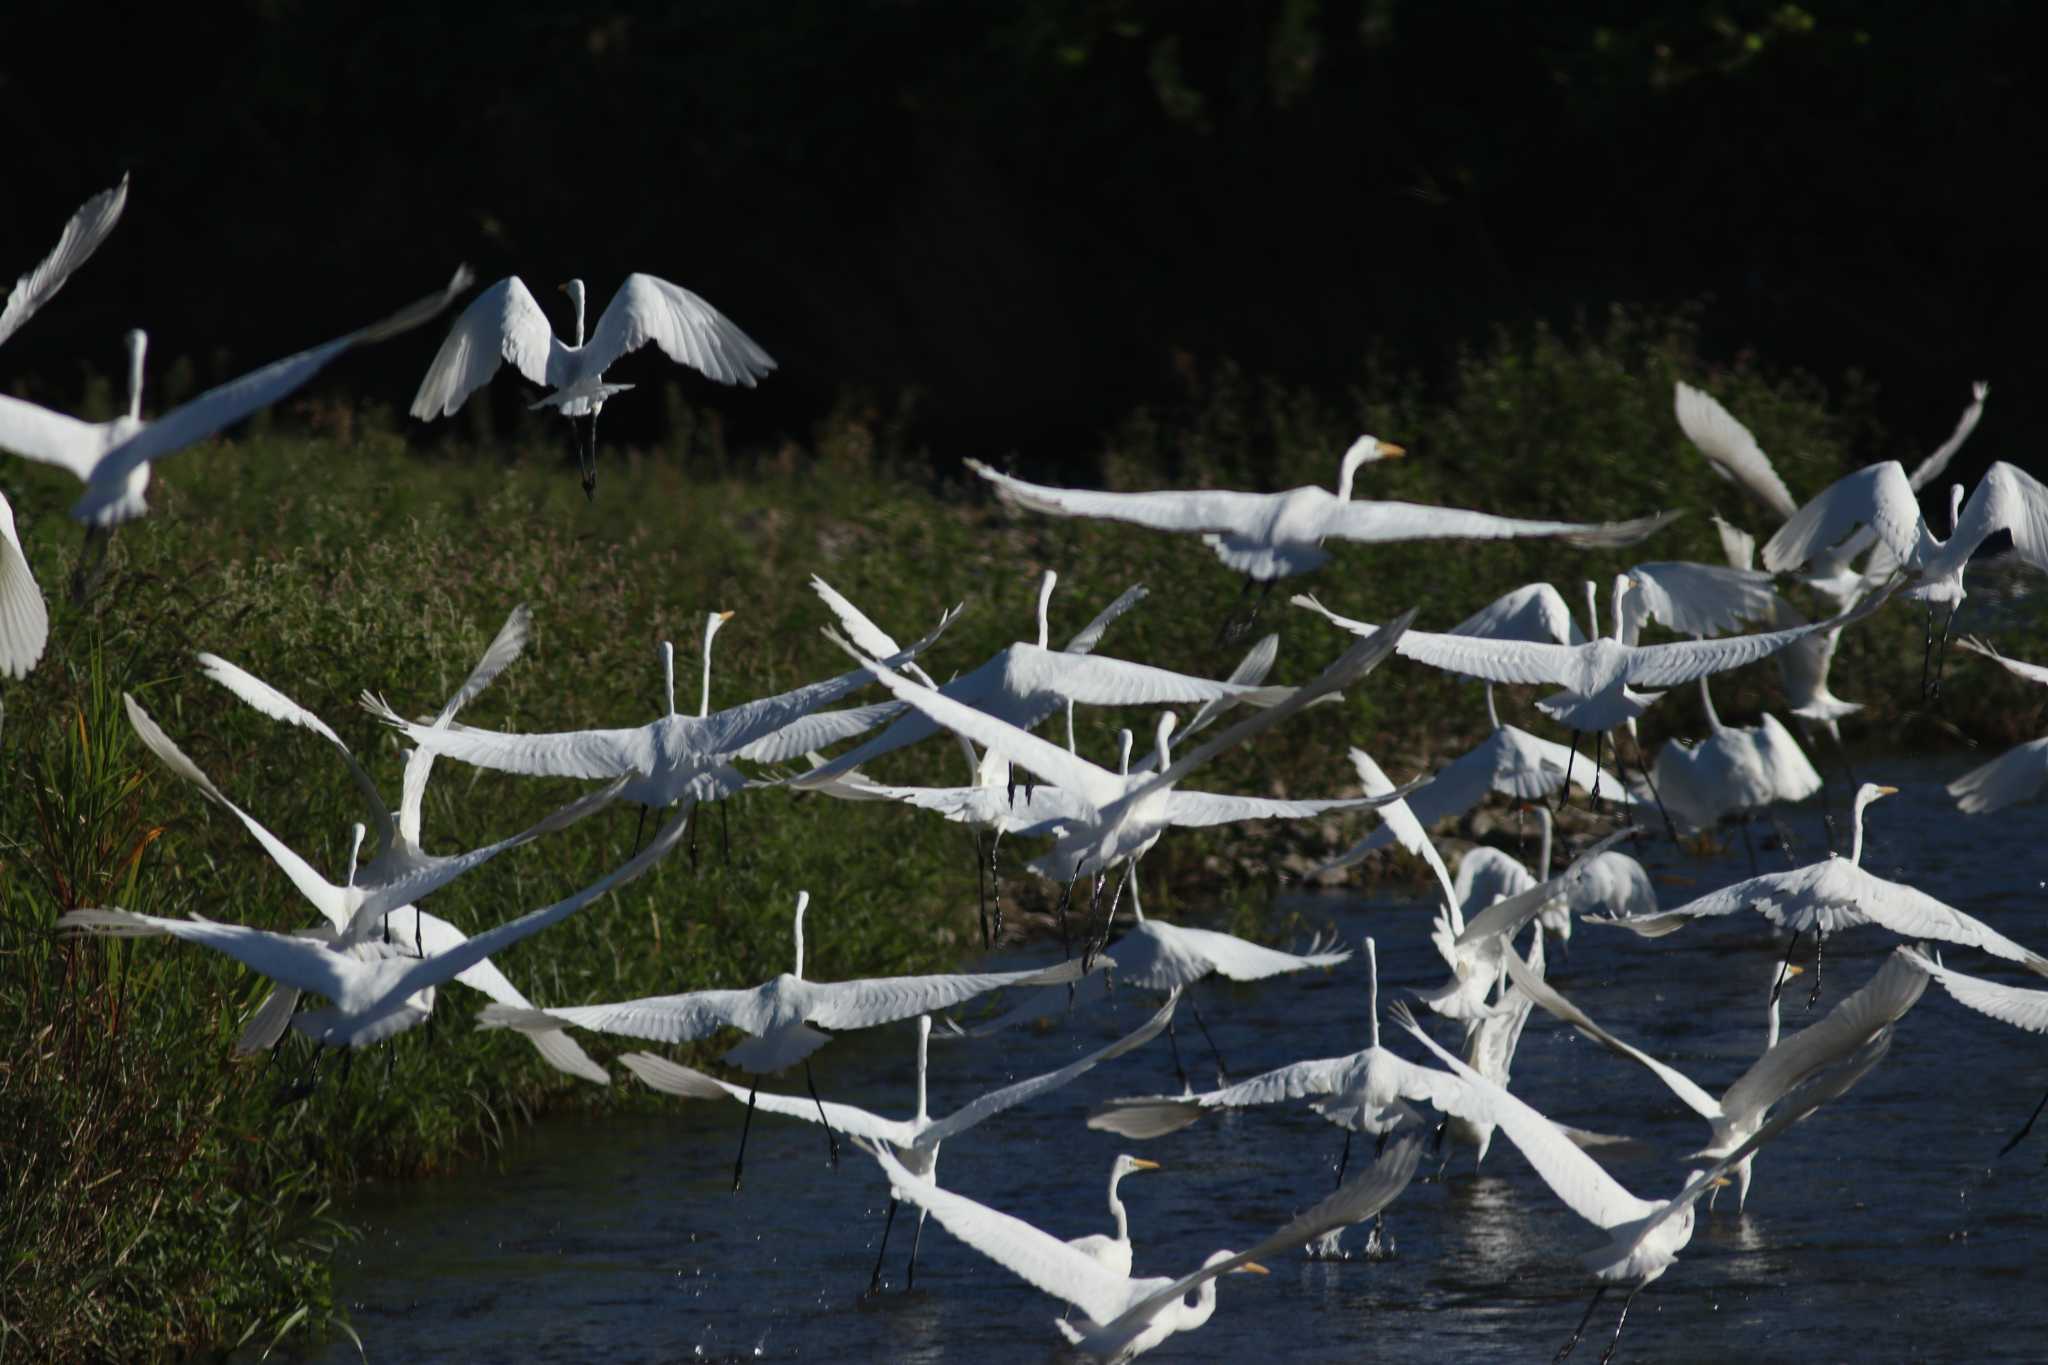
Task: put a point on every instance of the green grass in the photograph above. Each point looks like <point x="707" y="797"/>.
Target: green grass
<point x="160" y="1198"/>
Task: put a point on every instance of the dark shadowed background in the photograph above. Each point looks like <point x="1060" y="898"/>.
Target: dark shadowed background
<point x="1009" y="223"/>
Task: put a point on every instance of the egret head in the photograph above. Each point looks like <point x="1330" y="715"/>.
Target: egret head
<point x="1127" y="1165"/>
<point x="712" y="622"/>
<point x="1364" y="450"/>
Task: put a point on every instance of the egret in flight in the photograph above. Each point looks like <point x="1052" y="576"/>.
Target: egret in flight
<point x="1125" y="1317"/>
<point x="507" y="323"/>
<point x="914" y="1140"/>
<point x="1270" y="536"/>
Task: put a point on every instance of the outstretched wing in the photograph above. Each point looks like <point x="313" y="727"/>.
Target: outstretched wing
<point x="81" y="237"/>
<point x="1194" y="510"/>
<point x="1730" y="450"/>
<point x="503" y="323"/>
<point x="106" y="500"/>
<point x="688" y="330"/>
<point x="24" y="620"/>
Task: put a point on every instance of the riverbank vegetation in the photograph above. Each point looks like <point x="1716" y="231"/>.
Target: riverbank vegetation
<point x="161" y="1195"/>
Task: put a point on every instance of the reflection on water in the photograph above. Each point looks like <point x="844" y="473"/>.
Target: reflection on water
<point x="1883" y="1226"/>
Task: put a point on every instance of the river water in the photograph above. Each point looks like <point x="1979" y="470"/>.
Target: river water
<point x="1883" y="1228"/>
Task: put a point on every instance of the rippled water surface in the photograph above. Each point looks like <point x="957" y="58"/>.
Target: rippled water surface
<point x="1882" y="1228"/>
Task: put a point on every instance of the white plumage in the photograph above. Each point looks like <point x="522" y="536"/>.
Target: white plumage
<point x="1276" y="535"/>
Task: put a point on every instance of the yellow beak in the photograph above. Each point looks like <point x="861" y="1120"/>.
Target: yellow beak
<point x="1251" y="1268"/>
<point x="1388" y="451"/>
<point x="1141" y="1164"/>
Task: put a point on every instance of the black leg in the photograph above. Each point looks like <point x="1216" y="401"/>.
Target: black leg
<point x="1564" y="788"/>
<point x="1580" y="1330"/>
<point x="875" y="1280"/>
<point x="1941" y="648"/>
<point x="586" y="456"/>
<point x="1344" y="1161"/>
<point x="1748" y="845"/>
<point x="741" y="1160"/>
<point x="1926" y="650"/>
<point x="2026" y="1127"/>
<point x="724" y="836"/>
<point x="1779" y="985"/>
<point x="831" y="1138"/>
<point x="1643" y="769"/>
<point x="1178" y="1070"/>
<point x="640" y="829"/>
<point x="981" y="890"/>
<point x="916" y="1236"/>
<point x="1820" y="943"/>
<point x="1598" y="737"/>
<point x="1620" y="1322"/>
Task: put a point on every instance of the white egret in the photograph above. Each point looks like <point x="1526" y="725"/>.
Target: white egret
<point x="1510" y="761"/>
<point x="81" y="237"/>
<point x="1881" y="498"/>
<point x="1600" y="676"/>
<point x="1644" y="1235"/>
<point x="370" y="986"/>
<point x="1129" y="812"/>
<point x="2018" y="773"/>
<point x="505" y="322"/>
<point x="363" y="919"/>
<point x="1733" y="453"/>
<point x="1113" y="1251"/>
<point x="1735" y="770"/>
<point x="1373" y="1091"/>
<point x="24" y="620"/>
<point x="399" y="854"/>
<point x="1784" y="1064"/>
<point x="675" y="756"/>
<point x="1024" y="684"/>
<point x="1127" y="1317"/>
<point x="1838" y="893"/>
<point x="354" y="910"/>
<point x="114" y="458"/>
<point x="782" y="1017"/>
<point x="1270" y="536"/>
<point x="914" y="1140"/>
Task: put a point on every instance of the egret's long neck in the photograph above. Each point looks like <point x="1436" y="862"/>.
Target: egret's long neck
<point x="576" y="297"/>
<point x="1707" y="700"/>
<point x="803" y="898"/>
<point x="1372" y="974"/>
<point x="1116" y="1207"/>
<point x="1592" y="610"/>
<point x="668" y="673"/>
<point x="1549" y="828"/>
<point x="1856" y="839"/>
<point x="924" y="1039"/>
<point x="1045" y="608"/>
<point x="138" y="345"/>
<point x="1123" y="753"/>
<point x="1167" y="721"/>
<point x="711" y="625"/>
<point x="1492" y="713"/>
<point x="1955" y="508"/>
<point x="355" y="852"/>
<point x="1771" y="1024"/>
<point x="1347" y="473"/>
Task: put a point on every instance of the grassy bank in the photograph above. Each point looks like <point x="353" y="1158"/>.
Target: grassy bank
<point x="160" y="1196"/>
